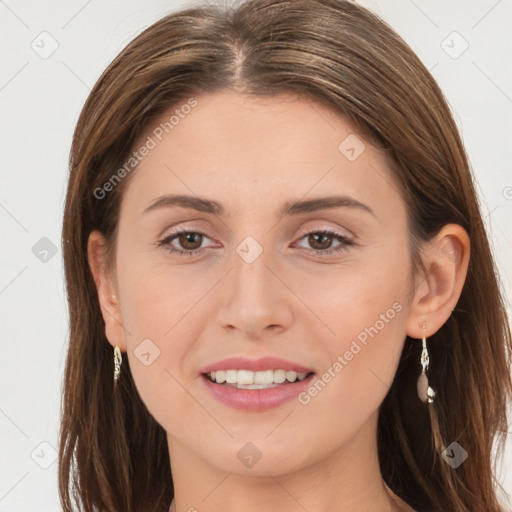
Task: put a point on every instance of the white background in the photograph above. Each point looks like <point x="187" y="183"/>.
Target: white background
<point x="40" y="99"/>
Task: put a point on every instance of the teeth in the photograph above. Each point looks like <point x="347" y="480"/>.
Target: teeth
<point x="256" y="380"/>
<point x="291" y="376"/>
<point x="231" y="376"/>
<point x="279" y="376"/>
<point x="247" y="377"/>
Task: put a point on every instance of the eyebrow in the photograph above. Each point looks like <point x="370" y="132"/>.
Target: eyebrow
<point x="294" y="207"/>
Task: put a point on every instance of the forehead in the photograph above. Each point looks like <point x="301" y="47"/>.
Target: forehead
<point x="236" y="146"/>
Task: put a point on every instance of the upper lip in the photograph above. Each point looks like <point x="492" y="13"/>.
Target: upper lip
<point x="255" y="365"/>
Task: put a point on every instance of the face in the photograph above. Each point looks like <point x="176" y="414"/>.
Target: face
<point x="267" y="272"/>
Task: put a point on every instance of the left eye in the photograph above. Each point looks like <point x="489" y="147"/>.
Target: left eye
<point x="323" y="238"/>
<point x="191" y="241"/>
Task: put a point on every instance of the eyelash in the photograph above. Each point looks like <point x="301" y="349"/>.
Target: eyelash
<point x="346" y="243"/>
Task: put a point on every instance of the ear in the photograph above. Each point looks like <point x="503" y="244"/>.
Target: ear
<point x="446" y="260"/>
<point x="106" y="288"/>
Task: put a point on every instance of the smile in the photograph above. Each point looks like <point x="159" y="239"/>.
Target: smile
<point x="247" y="379"/>
<point x="278" y="387"/>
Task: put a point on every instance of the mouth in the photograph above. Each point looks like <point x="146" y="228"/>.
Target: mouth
<point x="247" y="379"/>
<point x="256" y="384"/>
<point x="256" y="391"/>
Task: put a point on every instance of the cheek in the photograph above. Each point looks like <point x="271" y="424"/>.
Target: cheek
<point x="155" y="294"/>
<point x="352" y="296"/>
<point x="150" y="307"/>
<point x="361" y="313"/>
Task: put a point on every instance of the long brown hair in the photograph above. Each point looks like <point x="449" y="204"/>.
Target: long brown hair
<point x="113" y="454"/>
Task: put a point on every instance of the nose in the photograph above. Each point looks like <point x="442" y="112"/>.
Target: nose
<point x="256" y="301"/>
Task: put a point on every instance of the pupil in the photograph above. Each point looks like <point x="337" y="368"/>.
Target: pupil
<point x="189" y="238"/>
<point x="321" y="236"/>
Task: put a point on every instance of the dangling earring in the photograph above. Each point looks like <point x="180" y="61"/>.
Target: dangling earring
<point x="425" y="392"/>
<point x="118" y="360"/>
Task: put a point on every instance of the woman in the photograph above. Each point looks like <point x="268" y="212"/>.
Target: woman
<point x="272" y="242"/>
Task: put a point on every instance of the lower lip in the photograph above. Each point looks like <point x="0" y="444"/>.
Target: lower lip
<point x="257" y="399"/>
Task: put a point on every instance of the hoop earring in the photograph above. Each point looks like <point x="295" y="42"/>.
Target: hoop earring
<point x="425" y="392"/>
<point x="118" y="360"/>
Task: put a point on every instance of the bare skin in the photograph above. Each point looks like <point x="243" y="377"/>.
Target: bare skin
<point x="251" y="156"/>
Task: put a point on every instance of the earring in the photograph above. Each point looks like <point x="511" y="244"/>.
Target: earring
<point x="118" y="360"/>
<point x="425" y="392"/>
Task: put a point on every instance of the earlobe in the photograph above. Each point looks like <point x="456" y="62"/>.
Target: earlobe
<point x="445" y="259"/>
<point x="105" y="287"/>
